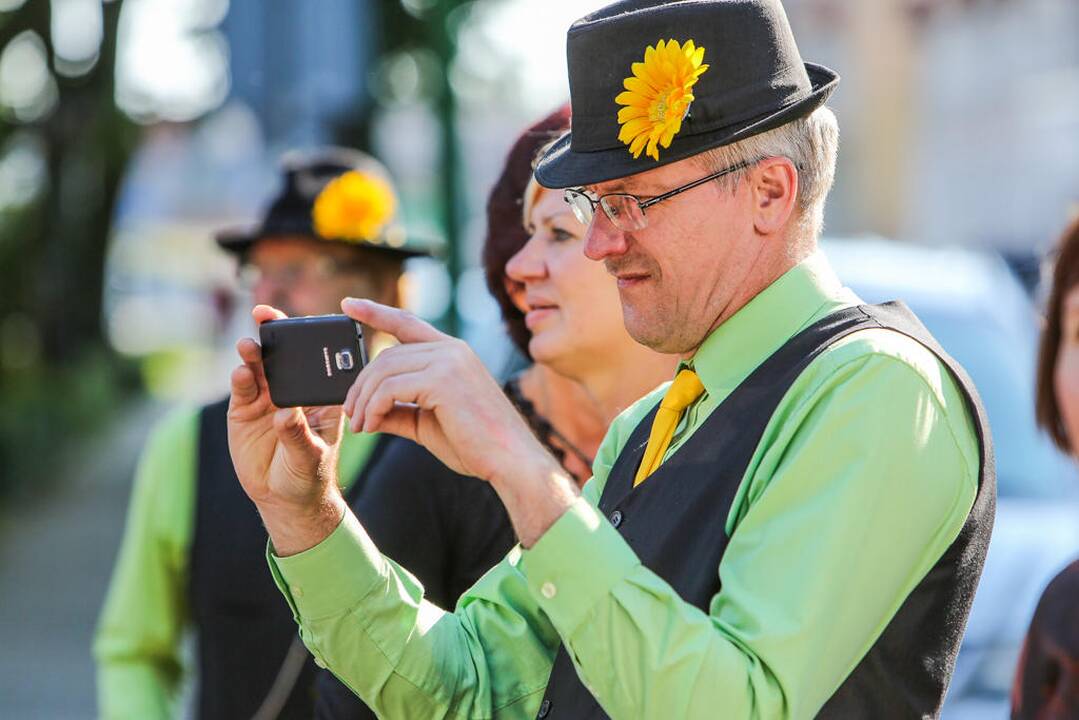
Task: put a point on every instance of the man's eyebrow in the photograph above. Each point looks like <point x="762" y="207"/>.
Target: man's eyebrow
<point x="617" y="186"/>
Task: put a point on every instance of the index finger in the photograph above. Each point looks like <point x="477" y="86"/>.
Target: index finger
<point x="403" y="325"/>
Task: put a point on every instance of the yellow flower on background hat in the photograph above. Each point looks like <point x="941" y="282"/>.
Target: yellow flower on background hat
<point x="657" y="96"/>
<point x="354" y="206"/>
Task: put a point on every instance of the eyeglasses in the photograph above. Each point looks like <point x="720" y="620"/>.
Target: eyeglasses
<point x="294" y="273"/>
<point x="626" y="211"/>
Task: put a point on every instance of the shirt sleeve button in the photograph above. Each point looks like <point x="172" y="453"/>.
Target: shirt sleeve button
<point x="320" y="662"/>
<point x="297" y="591"/>
<point x="548" y="590"/>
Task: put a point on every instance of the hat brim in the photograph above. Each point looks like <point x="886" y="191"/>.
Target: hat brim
<point x="239" y="242"/>
<point x="561" y="167"/>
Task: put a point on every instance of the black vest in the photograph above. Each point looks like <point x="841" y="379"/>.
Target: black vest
<point x="243" y="625"/>
<point x="675" y="523"/>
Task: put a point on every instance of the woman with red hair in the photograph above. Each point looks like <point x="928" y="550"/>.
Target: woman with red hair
<point x="563" y="312"/>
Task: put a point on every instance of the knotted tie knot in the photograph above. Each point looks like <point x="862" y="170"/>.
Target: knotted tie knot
<point x="683" y="392"/>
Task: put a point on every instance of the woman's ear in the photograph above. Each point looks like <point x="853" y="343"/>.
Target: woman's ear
<point x="774" y="184"/>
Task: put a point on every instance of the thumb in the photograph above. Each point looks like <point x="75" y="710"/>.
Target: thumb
<point x="296" y="437"/>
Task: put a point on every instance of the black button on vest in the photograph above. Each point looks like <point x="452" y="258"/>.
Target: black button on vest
<point x="678" y="531"/>
<point x="244" y="627"/>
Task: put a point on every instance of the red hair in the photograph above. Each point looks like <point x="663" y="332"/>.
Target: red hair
<point x="506" y="233"/>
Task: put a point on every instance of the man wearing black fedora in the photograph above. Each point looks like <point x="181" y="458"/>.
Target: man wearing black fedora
<point x="192" y="556"/>
<point x="793" y="527"/>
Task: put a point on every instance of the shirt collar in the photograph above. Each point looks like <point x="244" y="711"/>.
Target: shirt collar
<point x="790" y="304"/>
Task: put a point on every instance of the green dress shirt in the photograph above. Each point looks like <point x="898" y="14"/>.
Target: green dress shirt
<point x="864" y="476"/>
<point x="137" y="646"/>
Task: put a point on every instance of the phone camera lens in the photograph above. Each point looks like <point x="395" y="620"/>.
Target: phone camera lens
<point x="344" y="360"/>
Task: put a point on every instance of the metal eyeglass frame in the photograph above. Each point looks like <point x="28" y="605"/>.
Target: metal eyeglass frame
<point x="569" y="194"/>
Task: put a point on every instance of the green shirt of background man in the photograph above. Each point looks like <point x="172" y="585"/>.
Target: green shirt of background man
<point x="805" y="514"/>
<point x="330" y="231"/>
<point x="138" y="643"/>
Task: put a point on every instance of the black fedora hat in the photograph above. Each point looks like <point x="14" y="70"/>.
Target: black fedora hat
<point x="648" y="54"/>
<point x="330" y="194"/>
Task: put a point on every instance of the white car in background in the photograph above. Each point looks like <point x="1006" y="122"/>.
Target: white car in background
<point x="978" y="311"/>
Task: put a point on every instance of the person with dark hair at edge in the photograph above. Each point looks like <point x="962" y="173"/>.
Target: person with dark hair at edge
<point x="192" y="556"/>
<point x="793" y="527"/>
<point x="1047" y="678"/>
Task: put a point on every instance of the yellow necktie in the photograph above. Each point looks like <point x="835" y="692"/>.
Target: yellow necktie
<point x="685" y="389"/>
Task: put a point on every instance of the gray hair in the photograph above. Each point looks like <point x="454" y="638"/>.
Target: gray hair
<point x="810" y="142"/>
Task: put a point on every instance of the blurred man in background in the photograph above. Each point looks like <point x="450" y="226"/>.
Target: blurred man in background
<point x="193" y="552"/>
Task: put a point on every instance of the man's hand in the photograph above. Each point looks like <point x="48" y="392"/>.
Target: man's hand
<point x="285" y="458"/>
<point x="434" y="390"/>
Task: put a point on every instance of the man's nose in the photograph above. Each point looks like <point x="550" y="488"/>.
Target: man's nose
<point x="264" y="291"/>
<point x="268" y="291"/>
<point x="603" y="239"/>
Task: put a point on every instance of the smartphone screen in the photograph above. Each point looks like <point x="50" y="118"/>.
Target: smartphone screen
<point x="311" y="360"/>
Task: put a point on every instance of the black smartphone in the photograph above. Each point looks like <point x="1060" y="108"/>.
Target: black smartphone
<point x="311" y="360"/>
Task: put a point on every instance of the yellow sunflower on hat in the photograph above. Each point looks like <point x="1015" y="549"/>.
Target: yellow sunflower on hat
<point x="657" y="95"/>
<point x="354" y="206"/>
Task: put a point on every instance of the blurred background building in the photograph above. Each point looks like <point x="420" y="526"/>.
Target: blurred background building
<point x="131" y="129"/>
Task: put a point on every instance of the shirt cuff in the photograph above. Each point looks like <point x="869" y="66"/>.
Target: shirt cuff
<point x="575" y="564"/>
<point x="332" y="577"/>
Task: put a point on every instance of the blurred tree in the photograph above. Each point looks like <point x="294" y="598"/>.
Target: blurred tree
<point x="56" y="372"/>
<point x="64" y="146"/>
<point x="426" y="28"/>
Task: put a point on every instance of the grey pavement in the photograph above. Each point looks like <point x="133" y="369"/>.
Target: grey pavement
<point x="56" y="553"/>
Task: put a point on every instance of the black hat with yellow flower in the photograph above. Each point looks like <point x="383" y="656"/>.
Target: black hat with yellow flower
<point x="331" y="194"/>
<point x="653" y="82"/>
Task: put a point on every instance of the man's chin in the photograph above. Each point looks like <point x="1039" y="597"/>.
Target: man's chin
<point x="655" y="333"/>
<point x="645" y="331"/>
